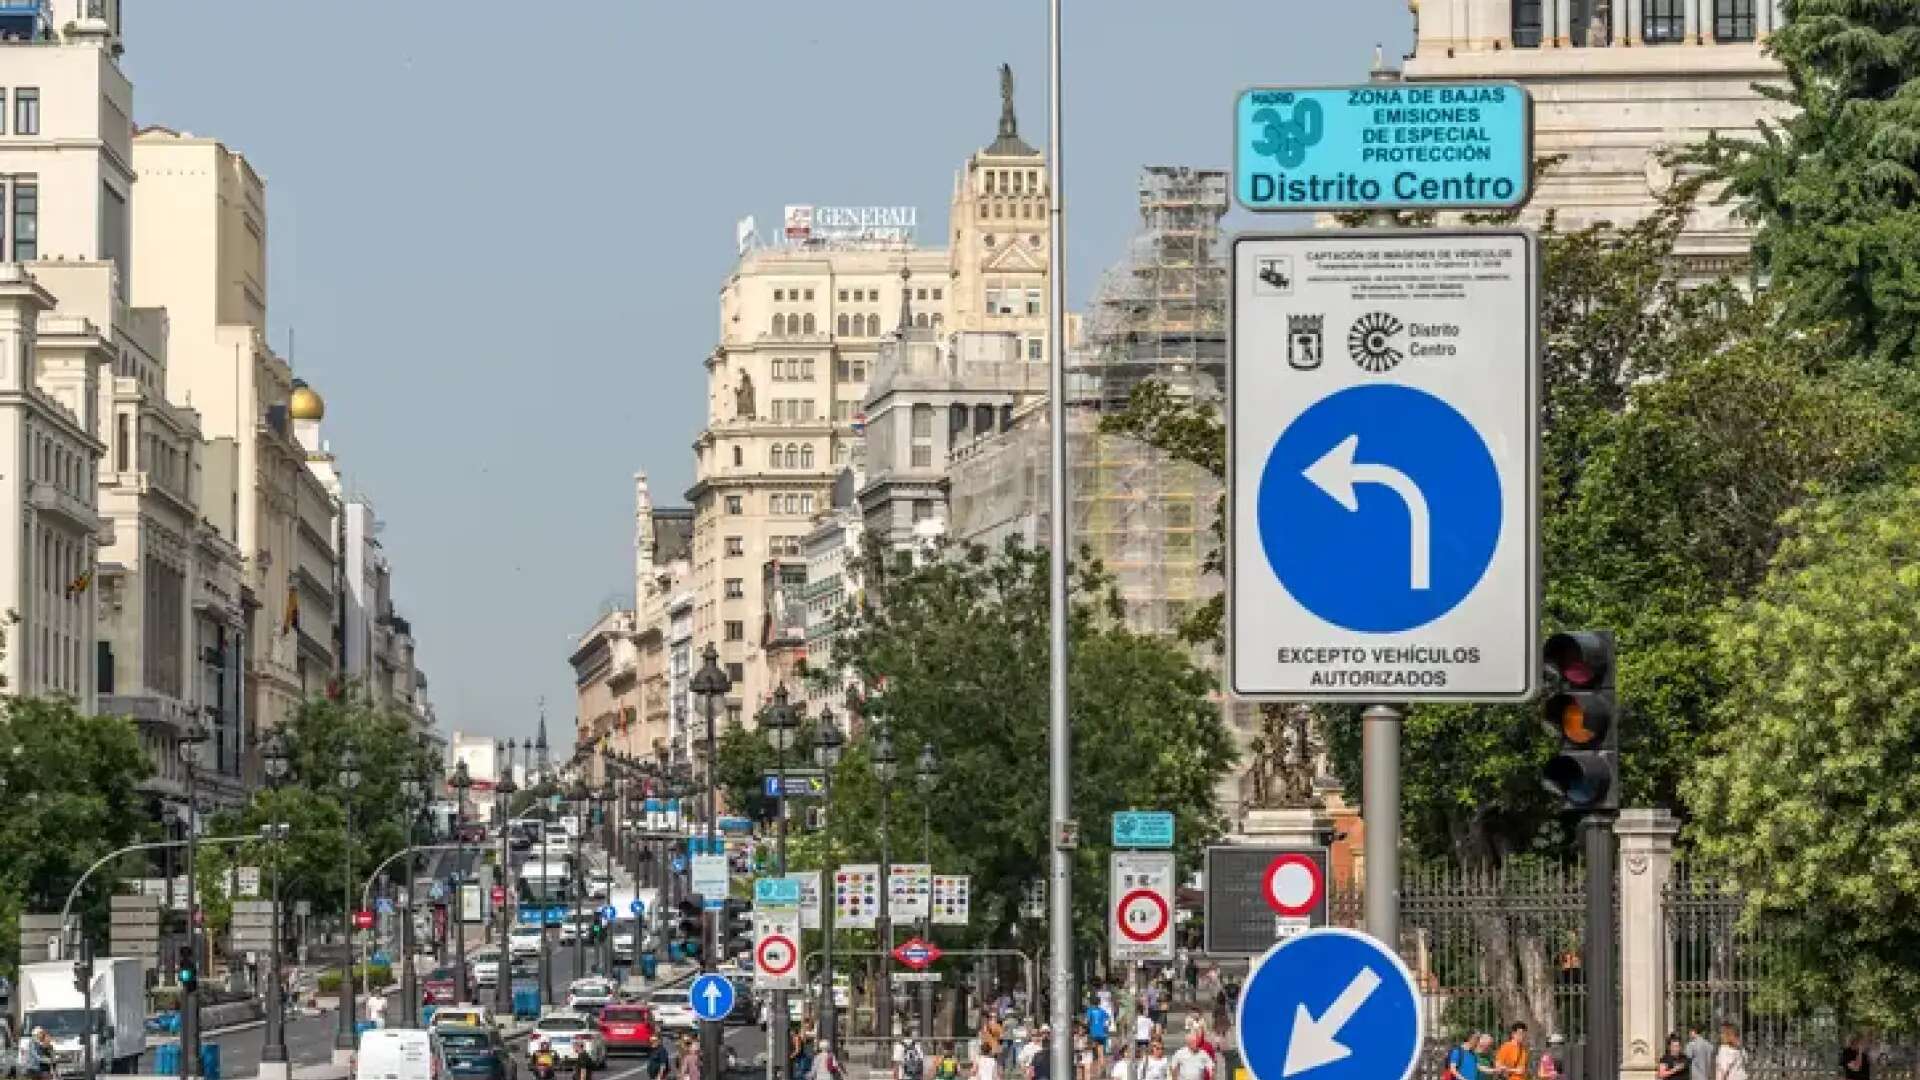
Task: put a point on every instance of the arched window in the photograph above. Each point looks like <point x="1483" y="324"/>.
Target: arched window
<point x="806" y="457"/>
<point x="920" y="320"/>
<point x="982" y="419"/>
<point x="808" y="324"/>
<point x="840" y="325"/>
<point x="956" y="420"/>
<point x="773" y="456"/>
<point x="937" y="320"/>
<point x="873" y="326"/>
<point x="779" y="325"/>
<point x="738" y="458"/>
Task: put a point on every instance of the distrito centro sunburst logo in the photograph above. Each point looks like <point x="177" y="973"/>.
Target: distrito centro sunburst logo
<point x="1371" y="342"/>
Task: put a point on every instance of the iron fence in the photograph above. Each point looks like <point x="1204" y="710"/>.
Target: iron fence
<point x="1720" y="970"/>
<point x="1490" y="947"/>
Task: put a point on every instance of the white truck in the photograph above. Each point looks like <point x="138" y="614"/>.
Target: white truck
<point x="48" y="999"/>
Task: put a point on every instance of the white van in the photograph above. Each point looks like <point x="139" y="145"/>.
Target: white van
<point x="398" y="1054"/>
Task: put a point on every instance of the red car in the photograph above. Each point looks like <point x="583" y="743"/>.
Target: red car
<point x="627" y="1029"/>
<point x="438" y="989"/>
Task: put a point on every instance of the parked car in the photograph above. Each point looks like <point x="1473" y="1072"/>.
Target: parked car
<point x="562" y="1030"/>
<point x="673" y="1009"/>
<point x="573" y="926"/>
<point x="476" y="1051"/>
<point x="589" y="995"/>
<point x="628" y="1029"/>
<point x="525" y="941"/>
<point x="475" y="1016"/>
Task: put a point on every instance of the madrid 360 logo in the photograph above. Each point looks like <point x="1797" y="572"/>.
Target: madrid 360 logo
<point x="1286" y="139"/>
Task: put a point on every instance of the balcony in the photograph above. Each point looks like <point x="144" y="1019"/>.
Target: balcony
<point x="51" y="501"/>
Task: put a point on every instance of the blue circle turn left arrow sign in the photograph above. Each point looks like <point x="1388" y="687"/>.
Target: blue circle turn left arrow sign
<point x="1330" y="1004"/>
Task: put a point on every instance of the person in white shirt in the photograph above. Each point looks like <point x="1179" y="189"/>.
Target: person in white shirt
<point x="1155" y="1065"/>
<point x="1122" y="1065"/>
<point x="985" y="1067"/>
<point x="1142" y="1031"/>
<point x="1191" y="1062"/>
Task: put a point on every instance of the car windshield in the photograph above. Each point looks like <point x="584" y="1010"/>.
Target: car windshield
<point x="65" y="1023"/>
<point x="671" y="997"/>
<point x="467" y="1041"/>
<point x="590" y="987"/>
<point x="440" y="975"/>
<point x="624" y="1014"/>
<point x="563" y="1024"/>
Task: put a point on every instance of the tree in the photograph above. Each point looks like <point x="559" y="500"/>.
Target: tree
<point x="1808" y="798"/>
<point x="70" y="784"/>
<point x="1835" y="186"/>
<point x="955" y="653"/>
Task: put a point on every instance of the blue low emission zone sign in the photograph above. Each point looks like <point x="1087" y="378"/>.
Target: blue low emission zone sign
<point x="1430" y="146"/>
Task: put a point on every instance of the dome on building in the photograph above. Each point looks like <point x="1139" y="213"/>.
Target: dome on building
<point x="307" y="404"/>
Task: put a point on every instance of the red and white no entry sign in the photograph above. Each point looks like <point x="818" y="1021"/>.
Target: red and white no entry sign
<point x="1294" y="885"/>
<point x="775" y="955"/>
<point x="1142" y="915"/>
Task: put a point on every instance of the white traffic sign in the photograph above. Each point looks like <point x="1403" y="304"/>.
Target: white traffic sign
<point x="710" y="880"/>
<point x="776" y="949"/>
<point x="809" y="898"/>
<point x="1384" y="466"/>
<point x="1142" y="898"/>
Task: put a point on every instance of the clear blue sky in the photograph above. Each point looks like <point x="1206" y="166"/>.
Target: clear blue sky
<point x="500" y="229"/>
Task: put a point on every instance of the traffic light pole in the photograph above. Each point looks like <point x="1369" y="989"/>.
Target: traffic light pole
<point x="1380" y="809"/>
<point x="710" y="918"/>
<point x="190" y="990"/>
<point x="1600" y="964"/>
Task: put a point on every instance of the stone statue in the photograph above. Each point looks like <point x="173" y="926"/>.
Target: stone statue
<point x="1285" y="759"/>
<point x="1009" y="127"/>
<point x="743" y="397"/>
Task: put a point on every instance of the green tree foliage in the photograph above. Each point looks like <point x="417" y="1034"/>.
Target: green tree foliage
<point x="1835" y="187"/>
<point x="955" y="655"/>
<point x="1808" y="798"/>
<point x="70" y="786"/>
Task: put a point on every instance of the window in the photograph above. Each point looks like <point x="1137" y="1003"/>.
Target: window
<point x="793" y="456"/>
<point x="873" y="326"/>
<point x="843" y="296"/>
<point x="26" y="222"/>
<point x="26" y="111"/>
<point x="859" y="371"/>
<point x="1006" y="418"/>
<point x="736" y="588"/>
<point x="840" y="325"/>
<point x="735" y="672"/>
<point x="806" y="366"/>
<point x="1732" y="20"/>
<point x="735" y="504"/>
<point x="923" y="510"/>
<point x="779" y="324"/>
<point x="923" y="421"/>
<point x="937" y="320"/>
<point x="1033" y="301"/>
<point x="921" y="295"/>
<point x="808" y="324"/>
<point x="1034" y="349"/>
<point x="779" y="295"/>
<point x="839" y="453"/>
<point x="3" y="120"/>
<point x="806" y="457"/>
<point x="736" y="545"/>
<point x="739" y="458"/>
<point x="956" y="420"/>
<point x="773" y="503"/>
<point x="120" y="445"/>
<point x="993" y="301"/>
<point x="920" y="320"/>
<point x="806" y="507"/>
<point x="923" y="455"/>
<point x="1526" y="24"/>
<point x="982" y="419"/>
<point x="1662" y="20"/>
<point x="809" y="294"/>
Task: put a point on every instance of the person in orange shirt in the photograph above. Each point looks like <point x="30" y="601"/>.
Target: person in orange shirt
<point x="1510" y="1061"/>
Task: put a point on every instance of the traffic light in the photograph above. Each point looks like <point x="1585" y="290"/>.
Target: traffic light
<point x="1581" y="711"/>
<point x="189" y="978"/>
<point x="83" y="968"/>
<point x="689" y="925"/>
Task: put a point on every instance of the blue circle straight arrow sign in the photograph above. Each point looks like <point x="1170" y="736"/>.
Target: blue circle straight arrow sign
<point x="712" y="997"/>
<point x="637" y="906"/>
<point x="1383" y="467"/>
<point x="608" y="913"/>
<point x="1330" y="1004"/>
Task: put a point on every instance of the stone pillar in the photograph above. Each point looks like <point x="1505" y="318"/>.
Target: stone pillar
<point x="1646" y="864"/>
<point x="1690" y="20"/>
<point x="1560" y="22"/>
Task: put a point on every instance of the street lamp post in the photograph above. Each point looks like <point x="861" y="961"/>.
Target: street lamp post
<point x="344" y="1039"/>
<point x="710" y="685"/>
<point x="546" y="897"/>
<point x="927" y="773"/>
<point x="415" y="788"/>
<point x="828" y="743"/>
<point x="190" y="996"/>
<point x="578" y="798"/>
<point x="503" y="977"/>
<point x="461" y="781"/>
<point x="781" y="722"/>
<point x="273" y="759"/>
<point x="886" y="763"/>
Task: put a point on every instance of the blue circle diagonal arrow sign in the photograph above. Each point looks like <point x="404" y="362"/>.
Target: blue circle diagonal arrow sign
<point x="1380" y="508"/>
<point x="1330" y="1004"/>
<point x="712" y="997"/>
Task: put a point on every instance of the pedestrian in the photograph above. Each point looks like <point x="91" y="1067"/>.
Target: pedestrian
<point x="1155" y="1064"/>
<point x="1462" y="1062"/>
<point x="1699" y="1055"/>
<point x="1855" y="1062"/>
<point x="1730" y="1060"/>
<point x="1483" y="1050"/>
<point x="1192" y="1062"/>
<point x="1030" y="1043"/>
<point x="36" y="1055"/>
<point x="1099" y="1021"/>
<point x="1041" y="1065"/>
<point x="1673" y="1064"/>
<point x="913" y="1064"/>
<point x="986" y="1066"/>
<point x="826" y="1064"/>
<point x="1191" y="968"/>
<point x="689" y="1058"/>
<point x="1082" y="1053"/>
<point x="1511" y="1060"/>
<point x="1553" y="1060"/>
<point x="1142" y="1031"/>
<point x="1122" y="1065"/>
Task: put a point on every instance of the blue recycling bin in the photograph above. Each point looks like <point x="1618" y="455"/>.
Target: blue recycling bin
<point x="166" y="1058"/>
<point x="649" y="964"/>
<point x="210" y="1061"/>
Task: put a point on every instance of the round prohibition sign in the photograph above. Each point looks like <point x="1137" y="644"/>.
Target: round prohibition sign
<point x="1142" y="915"/>
<point x="776" y="955"/>
<point x="1294" y="885"/>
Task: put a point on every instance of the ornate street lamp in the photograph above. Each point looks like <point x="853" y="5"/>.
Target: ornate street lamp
<point x="460" y="782"/>
<point x="828" y="744"/>
<point x="274" y="760"/>
<point x="886" y="765"/>
<point x="926" y="774"/>
<point x="503" y="979"/>
<point x="710" y="686"/>
<point x="349" y="778"/>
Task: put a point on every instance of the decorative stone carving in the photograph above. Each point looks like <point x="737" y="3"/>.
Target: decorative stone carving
<point x="743" y="397"/>
<point x="1636" y="864"/>
<point x="1285" y="759"/>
